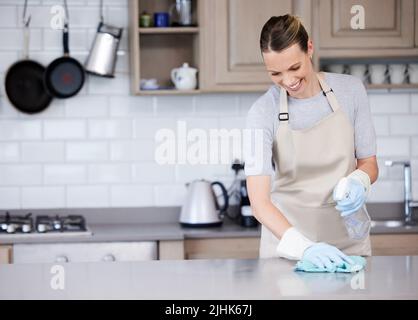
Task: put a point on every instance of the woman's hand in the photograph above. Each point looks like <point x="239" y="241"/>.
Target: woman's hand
<point x="324" y="255"/>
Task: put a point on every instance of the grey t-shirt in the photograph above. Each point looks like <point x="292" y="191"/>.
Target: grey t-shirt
<point x="304" y="113"/>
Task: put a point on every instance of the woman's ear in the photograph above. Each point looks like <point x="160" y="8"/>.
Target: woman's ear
<point x="310" y="48"/>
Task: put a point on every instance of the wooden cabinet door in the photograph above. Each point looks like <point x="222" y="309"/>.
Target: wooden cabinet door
<point x="394" y="244"/>
<point x="221" y="248"/>
<point x="231" y="41"/>
<point x="416" y="23"/>
<point x="388" y="24"/>
<point x="5" y="254"/>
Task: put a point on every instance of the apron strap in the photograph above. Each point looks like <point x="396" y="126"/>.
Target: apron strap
<point x="326" y="90"/>
<point x="283" y="109"/>
<point x="328" y="93"/>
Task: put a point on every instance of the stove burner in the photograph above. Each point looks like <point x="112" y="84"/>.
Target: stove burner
<point x="16" y="224"/>
<point x="60" y="224"/>
<point x="43" y="224"/>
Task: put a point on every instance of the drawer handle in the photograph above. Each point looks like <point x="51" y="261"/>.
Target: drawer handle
<point x="109" y="258"/>
<point x="61" y="259"/>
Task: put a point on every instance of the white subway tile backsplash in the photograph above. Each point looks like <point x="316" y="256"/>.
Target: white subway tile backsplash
<point x="153" y="173"/>
<point x="64" y="129"/>
<point x="41" y="16"/>
<point x="53" y="111"/>
<point x="86" y="107"/>
<point x="9" y="152"/>
<point x="147" y="128"/>
<point x="393" y="103"/>
<point x="177" y="106"/>
<point x="381" y="125"/>
<point x="128" y="106"/>
<point x="53" y="40"/>
<point x="84" y="17"/>
<point x="414" y="146"/>
<point x="217" y="105"/>
<point x="9" y="198"/>
<point x="187" y="173"/>
<point x="43" y="151"/>
<point x="20" y="130"/>
<point x="115" y="129"/>
<point x="404" y="125"/>
<point x="109" y="173"/>
<point x="43" y="197"/>
<point x="246" y="100"/>
<point x="17" y="174"/>
<point x="87" y="151"/>
<point x="414" y="103"/>
<point x="138" y="150"/>
<point x="87" y="196"/>
<point x="8" y="16"/>
<point x="7" y="59"/>
<point x="118" y="16"/>
<point x="59" y="174"/>
<point x="132" y="196"/>
<point x="118" y="85"/>
<point x="393" y="147"/>
<point x="386" y="191"/>
<point x="7" y="110"/>
<point x="170" y="195"/>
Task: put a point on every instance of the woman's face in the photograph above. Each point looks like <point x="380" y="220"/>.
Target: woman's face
<point x="291" y="69"/>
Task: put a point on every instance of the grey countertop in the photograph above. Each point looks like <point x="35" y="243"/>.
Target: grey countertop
<point x="153" y="224"/>
<point x="383" y="278"/>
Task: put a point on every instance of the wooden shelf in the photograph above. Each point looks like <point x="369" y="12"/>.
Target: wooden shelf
<point x="169" y="30"/>
<point x="155" y="52"/>
<point x="166" y="92"/>
<point x="392" y="86"/>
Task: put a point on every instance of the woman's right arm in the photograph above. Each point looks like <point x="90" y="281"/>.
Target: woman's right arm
<point x="264" y="210"/>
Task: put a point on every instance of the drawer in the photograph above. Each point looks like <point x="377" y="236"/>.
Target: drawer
<point x="85" y="252"/>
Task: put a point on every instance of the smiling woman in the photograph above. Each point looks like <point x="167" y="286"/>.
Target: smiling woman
<point x="317" y="130"/>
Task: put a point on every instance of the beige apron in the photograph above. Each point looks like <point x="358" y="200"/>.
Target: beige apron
<point x="309" y="163"/>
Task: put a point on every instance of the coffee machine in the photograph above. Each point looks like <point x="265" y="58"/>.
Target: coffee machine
<point x="245" y="214"/>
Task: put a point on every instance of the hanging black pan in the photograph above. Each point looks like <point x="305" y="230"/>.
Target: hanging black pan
<point x="64" y="77"/>
<point x="24" y="80"/>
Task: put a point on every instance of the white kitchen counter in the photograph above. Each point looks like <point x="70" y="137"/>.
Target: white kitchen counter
<point x="384" y="278"/>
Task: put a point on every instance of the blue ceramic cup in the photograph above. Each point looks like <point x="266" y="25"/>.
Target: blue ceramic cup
<point x="161" y="19"/>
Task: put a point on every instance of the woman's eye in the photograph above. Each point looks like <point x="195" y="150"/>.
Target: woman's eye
<point x="294" y="69"/>
<point x="274" y="74"/>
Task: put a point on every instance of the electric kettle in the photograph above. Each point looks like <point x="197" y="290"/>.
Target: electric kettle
<point x="201" y="208"/>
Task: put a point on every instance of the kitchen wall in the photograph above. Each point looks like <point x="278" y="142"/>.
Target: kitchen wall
<point x="97" y="149"/>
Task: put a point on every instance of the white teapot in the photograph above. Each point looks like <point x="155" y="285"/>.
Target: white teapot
<point x="184" y="78"/>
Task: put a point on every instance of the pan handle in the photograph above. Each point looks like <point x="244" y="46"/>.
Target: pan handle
<point x="26" y="22"/>
<point x="65" y="40"/>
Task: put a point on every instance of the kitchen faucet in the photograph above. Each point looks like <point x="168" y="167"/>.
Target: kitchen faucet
<point x="408" y="203"/>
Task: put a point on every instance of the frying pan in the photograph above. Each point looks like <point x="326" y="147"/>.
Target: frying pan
<point x="24" y="81"/>
<point x="64" y="77"/>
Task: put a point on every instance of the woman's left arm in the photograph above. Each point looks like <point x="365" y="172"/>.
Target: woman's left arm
<point x="369" y="165"/>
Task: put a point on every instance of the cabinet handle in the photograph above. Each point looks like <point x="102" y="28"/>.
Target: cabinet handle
<point x="109" y="258"/>
<point x="61" y="259"/>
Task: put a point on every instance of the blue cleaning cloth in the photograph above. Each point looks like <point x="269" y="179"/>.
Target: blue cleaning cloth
<point x="307" y="266"/>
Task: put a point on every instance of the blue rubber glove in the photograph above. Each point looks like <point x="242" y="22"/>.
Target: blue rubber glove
<point x="324" y="255"/>
<point x="356" y="196"/>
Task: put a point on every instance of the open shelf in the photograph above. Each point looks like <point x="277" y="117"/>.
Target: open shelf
<point x="392" y="86"/>
<point x="169" y="30"/>
<point x="156" y="51"/>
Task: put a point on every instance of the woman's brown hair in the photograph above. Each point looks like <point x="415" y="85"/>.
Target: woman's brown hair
<point x="281" y="32"/>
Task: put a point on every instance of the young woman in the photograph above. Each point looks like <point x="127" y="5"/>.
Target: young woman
<point x="317" y="129"/>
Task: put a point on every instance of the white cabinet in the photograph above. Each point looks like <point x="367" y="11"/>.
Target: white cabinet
<point x="85" y="252"/>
